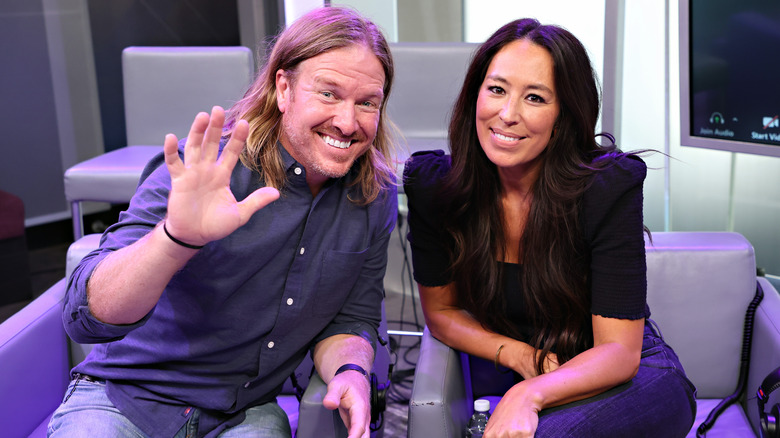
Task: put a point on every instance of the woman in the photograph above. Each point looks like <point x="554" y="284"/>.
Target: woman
<point x="528" y="248"/>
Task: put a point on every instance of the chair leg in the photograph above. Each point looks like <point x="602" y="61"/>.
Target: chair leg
<point x="78" y="220"/>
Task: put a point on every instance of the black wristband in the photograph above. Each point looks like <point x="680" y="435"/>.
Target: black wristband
<point x="351" y="367"/>
<point x="179" y="242"/>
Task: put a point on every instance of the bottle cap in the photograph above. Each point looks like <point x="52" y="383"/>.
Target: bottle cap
<point x="482" y="405"/>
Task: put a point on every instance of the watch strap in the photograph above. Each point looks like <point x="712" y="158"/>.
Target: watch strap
<point x="351" y="367"/>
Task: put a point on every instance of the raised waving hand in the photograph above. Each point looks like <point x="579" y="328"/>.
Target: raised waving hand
<point x="201" y="207"/>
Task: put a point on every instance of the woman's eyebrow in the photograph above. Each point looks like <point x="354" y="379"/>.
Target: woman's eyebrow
<point x="502" y="80"/>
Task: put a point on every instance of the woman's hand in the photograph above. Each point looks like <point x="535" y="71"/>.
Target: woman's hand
<point x="521" y="358"/>
<point x="456" y="328"/>
<point x="550" y="363"/>
<point x="614" y="359"/>
<point x="201" y="207"/>
<point x="516" y="415"/>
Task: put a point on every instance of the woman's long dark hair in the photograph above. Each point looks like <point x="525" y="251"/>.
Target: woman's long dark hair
<point x="554" y="258"/>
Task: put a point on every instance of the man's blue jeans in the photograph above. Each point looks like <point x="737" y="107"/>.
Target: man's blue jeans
<point x="86" y="412"/>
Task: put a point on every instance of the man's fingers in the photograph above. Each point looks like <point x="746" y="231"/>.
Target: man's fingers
<point x="359" y="417"/>
<point x="192" y="148"/>
<point x="354" y="415"/>
<point x="235" y="145"/>
<point x="357" y="426"/>
<point x="171" y="152"/>
<point x="332" y="398"/>
<point x="254" y="202"/>
<point x="213" y="134"/>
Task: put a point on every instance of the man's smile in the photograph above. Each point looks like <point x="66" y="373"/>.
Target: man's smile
<point x="335" y="143"/>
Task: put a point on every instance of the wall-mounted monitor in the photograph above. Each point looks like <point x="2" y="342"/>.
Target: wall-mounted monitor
<point x="730" y="75"/>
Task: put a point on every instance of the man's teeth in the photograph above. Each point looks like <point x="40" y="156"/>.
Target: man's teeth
<point x="333" y="142"/>
<point x="504" y="137"/>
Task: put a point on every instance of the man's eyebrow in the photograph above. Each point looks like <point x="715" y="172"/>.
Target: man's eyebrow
<point x="379" y="93"/>
<point x="324" y="80"/>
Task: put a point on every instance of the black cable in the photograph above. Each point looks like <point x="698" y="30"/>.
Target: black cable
<point x="407" y="280"/>
<point x="400" y="391"/>
<point x="747" y="336"/>
<point x="402" y="379"/>
<point x="298" y="388"/>
<point x="407" y="269"/>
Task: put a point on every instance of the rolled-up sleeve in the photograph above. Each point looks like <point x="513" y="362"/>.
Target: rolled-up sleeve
<point x="146" y="210"/>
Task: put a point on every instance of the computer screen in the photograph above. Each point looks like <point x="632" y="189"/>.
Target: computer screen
<point x="730" y="75"/>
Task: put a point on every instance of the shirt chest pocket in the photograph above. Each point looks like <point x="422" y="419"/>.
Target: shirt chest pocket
<point x="340" y="271"/>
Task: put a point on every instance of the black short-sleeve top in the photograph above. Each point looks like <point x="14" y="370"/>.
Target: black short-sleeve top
<point x="610" y="219"/>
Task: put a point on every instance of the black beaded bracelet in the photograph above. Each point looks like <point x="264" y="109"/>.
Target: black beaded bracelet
<point x="351" y="367"/>
<point x="179" y="242"/>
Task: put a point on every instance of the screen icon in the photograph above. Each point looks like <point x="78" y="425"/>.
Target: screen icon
<point x="771" y="122"/>
<point x="717" y="119"/>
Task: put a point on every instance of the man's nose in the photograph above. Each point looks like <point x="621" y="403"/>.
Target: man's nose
<point x="345" y="119"/>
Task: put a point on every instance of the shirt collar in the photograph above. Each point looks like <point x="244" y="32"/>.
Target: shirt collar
<point x="288" y="161"/>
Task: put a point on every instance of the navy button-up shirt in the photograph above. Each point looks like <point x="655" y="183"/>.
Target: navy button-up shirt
<point x="238" y="319"/>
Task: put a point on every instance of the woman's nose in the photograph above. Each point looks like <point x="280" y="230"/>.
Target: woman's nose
<point x="510" y="112"/>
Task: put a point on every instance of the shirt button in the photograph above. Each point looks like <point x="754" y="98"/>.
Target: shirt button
<point x="289" y="301"/>
<point x="246" y="385"/>
<point x="303" y="250"/>
<point x="271" y="344"/>
<point x="297" y="171"/>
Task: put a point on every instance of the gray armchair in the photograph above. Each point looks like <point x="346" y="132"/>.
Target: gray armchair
<point x="428" y="77"/>
<point x="699" y="288"/>
<point x="164" y="88"/>
<point x="36" y="357"/>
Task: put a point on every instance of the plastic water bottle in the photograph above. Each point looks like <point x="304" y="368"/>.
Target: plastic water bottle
<point x="478" y="421"/>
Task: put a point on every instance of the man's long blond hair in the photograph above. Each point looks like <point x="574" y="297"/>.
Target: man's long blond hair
<point x="315" y="33"/>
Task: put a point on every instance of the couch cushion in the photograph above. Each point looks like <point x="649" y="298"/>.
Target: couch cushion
<point x="42" y="429"/>
<point x="289" y="404"/>
<point x="34" y="361"/>
<point x="111" y="177"/>
<point x="731" y="423"/>
<point x="78" y="249"/>
<point x="427" y="117"/>
<point x="165" y="87"/>
<point x="699" y="286"/>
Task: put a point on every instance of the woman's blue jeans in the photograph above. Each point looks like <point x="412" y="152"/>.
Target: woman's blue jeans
<point x="658" y="402"/>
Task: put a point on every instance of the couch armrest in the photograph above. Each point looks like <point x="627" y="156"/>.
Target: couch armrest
<point x="764" y="351"/>
<point x="35" y="363"/>
<point x="438" y="406"/>
<point x="314" y="420"/>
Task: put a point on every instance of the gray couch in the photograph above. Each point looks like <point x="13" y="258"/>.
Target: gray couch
<point x="699" y="288"/>
<point x="36" y="357"/>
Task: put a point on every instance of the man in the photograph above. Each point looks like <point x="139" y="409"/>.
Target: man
<point x="220" y="278"/>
